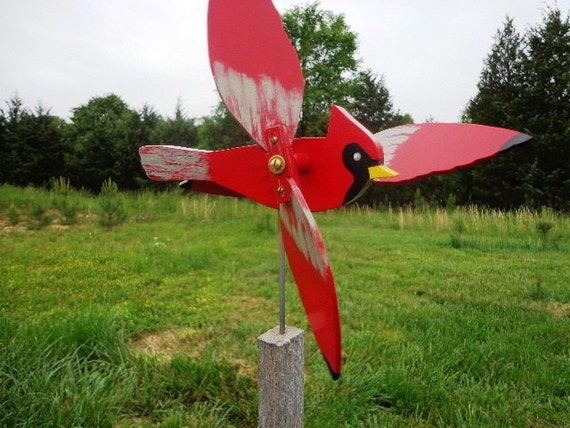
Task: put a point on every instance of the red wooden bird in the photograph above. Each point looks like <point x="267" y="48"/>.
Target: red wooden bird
<point x="259" y="78"/>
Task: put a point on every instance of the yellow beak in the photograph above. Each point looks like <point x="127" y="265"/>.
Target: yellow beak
<point x="381" y="171"/>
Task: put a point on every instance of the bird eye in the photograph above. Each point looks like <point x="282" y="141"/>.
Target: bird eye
<point x="357" y="156"/>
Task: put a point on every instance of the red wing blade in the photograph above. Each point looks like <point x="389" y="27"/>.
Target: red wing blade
<point x="174" y="163"/>
<point x="255" y="66"/>
<point x="310" y="267"/>
<point x="419" y="150"/>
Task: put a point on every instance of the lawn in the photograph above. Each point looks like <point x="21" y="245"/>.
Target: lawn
<point x="456" y="317"/>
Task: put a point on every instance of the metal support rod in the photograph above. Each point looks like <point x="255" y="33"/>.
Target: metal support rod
<point x="281" y="286"/>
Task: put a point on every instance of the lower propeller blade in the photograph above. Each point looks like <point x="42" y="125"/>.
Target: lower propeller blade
<point x="310" y="267"/>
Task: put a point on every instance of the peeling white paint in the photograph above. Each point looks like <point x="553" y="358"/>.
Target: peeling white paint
<point x="258" y="103"/>
<point x="165" y="163"/>
<point x="302" y="227"/>
<point x="391" y="139"/>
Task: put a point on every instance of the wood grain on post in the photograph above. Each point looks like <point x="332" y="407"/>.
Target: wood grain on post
<point x="281" y="378"/>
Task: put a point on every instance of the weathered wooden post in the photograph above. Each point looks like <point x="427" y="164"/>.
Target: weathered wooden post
<point x="281" y="378"/>
<point x="281" y="364"/>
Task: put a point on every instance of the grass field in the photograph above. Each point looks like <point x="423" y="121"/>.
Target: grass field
<point x="450" y="318"/>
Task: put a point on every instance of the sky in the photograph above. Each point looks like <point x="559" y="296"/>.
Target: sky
<point x="61" y="53"/>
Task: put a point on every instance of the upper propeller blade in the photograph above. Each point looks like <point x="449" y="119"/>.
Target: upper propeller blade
<point x="419" y="150"/>
<point x="310" y="267"/>
<point x="255" y="66"/>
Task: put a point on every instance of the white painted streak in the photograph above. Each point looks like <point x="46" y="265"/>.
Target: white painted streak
<point x="255" y="102"/>
<point x="175" y="163"/>
<point x="391" y="139"/>
<point x="301" y="225"/>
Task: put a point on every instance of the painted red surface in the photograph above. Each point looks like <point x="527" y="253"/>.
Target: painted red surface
<point x="419" y="150"/>
<point x="310" y="267"/>
<point x="315" y="163"/>
<point x="255" y="66"/>
<point x="259" y="78"/>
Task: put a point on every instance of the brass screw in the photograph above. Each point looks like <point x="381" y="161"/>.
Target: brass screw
<point x="274" y="139"/>
<point x="277" y="164"/>
<point x="281" y="190"/>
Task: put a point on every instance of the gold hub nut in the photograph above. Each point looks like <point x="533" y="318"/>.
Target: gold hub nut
<point x="277" y="164"/>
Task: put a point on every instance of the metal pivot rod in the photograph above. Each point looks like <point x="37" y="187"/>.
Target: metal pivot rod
<point x="282" y="327"/>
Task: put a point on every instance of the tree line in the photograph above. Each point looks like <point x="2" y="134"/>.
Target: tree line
<point x="524" y="85"/>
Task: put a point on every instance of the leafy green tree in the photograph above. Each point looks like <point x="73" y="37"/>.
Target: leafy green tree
<point x="327" y="52"/>
<point x="104" y="142"/>
<point x="31" y="144"/>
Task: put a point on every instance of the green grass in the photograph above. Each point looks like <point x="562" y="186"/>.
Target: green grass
<point x="450" y="318"/>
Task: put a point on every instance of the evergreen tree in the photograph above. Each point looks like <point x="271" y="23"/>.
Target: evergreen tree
<point x="31" y="144"/>
<point x="179" y="130"/>
<point x="10" y="118"/>
<point x="3" y="150"/>
<point x="525" y="85"/>
<point x="500" y="88"/>
<point x="500" y="181"/>
<point x="547" y="110"/>
<point x="371" y="104"/>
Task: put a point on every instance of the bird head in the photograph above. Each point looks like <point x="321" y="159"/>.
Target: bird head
<point x="361" y="156"/>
